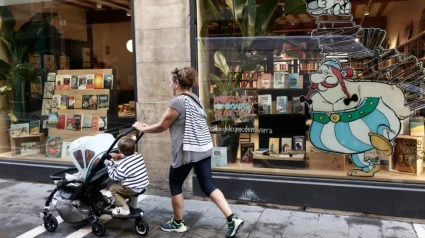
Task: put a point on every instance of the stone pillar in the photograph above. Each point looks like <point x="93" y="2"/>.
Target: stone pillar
<point x="162" y="43"/>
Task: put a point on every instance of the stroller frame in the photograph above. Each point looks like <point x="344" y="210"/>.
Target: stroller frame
<point x="88" y="192"/>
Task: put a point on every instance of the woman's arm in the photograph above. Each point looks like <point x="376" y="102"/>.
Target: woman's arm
<point x="167" y="119"/>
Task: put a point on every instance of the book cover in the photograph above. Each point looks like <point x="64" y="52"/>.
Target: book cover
<point x="103" y="124"/>
<point x="405" y="126"/>
<point x="98" y="81"/>
<point x="219" y="157"/>
<point x="65" y="150"/>
<point x="274" y="145"/>
<point x="78" y="102"/>
<point x="46" y="107"/>
<point x="417" y="126"/>
<point x="265" y="104"/>
<point x="59" y="82"/>
<point x="53" y="120"/>
<point x="20" y="129"/>
<point x="297" y="106"/>
<point x="103" y="101"/>
<point x="108" y="80"/>
<point x="281" y="104"/>
<point x="90" y="102"/>
<point x="49" y="88"/>
<point x="77" y="122"/>
<point x="74" y="82"/>
<point x="66" y="82"/>
<point x="71" y="102"/>
<point x="56" y="101"/>
<point x="51" y="77"/>
<point x="95" y="123"/>
<point x="247" y="152"/>
<point x="34" y="127"/>
<point x="408" y="155"/>
<point x="373" y="156"/>
<point x="61" y="122"/>
<point x="279" y="80"/>
<point x="286" y="145"/>
<point x="90" y="81"/>
<point x="70" y="123"/>
<point x="87" y="119"/>
<point x="82" y="81"/>
<point x="64" y="102"/>
<point x="30" y="148"/>
<point x="266" y="81"/>
<point x="53" y="147"/>
<point x="299" y="142"/>
<point x="293" y="80"/>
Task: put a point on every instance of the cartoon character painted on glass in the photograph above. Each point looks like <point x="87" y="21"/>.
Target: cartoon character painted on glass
<point x="353" y="117"/>
<point x="328" y="7"/>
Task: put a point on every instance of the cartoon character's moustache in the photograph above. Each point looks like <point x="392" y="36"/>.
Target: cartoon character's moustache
<point x="314" y="87"/>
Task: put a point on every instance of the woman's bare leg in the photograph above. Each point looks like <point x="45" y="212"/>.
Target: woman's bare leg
<point x="218" y="198"/>
<point x="178" y="203"/>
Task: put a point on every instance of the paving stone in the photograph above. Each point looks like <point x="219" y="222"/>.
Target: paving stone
<point x="272" y="223"/>
<point x="364" y="227"/>
<point x="301" y="224"/>
<point x="331" y="226"/>
<point x="398" y="229"/>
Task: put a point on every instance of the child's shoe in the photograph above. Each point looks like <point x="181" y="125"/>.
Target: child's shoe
<point x="172" y="225"/>
<point x="122" y="211"/>
<point x="233" y="227"/>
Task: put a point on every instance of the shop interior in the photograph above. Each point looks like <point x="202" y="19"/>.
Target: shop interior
<point x="273" y="89"/>
<point x="82" y="80"/>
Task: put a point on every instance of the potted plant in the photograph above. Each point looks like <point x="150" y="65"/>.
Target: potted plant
<point x="16" y="71"/>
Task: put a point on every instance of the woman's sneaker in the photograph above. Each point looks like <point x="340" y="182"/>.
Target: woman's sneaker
<point x="233" y="227"/>
<point x="172" y="225"/>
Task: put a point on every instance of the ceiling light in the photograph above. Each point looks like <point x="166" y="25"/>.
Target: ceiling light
<point x="292" y="23"/>
<point x="357" y="40"/>
<point x="366" y="12"/>
<point x="99" y="5"/>
<point x="130" y="45"/>
<point x="129" y="14"/>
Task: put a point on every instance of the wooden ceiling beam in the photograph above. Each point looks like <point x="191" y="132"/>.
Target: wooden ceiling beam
<point x="382" y="9"/>
<point x="73" y="4"/>
<point x="117" y="3"/>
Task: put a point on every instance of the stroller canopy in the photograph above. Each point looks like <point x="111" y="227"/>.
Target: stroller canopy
<point x="87" y="150"/>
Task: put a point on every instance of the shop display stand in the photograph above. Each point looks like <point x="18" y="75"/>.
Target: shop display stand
<point x="71" y="135"/>
<point x="16" y="141"/>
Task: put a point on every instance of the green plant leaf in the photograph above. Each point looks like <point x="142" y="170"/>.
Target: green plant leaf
<point x="265" y="13"/>
<point x="218" y="82"/>
<point x="7" y="23"/>
<point x="236" y="7"/>
<point x="214" y="11"/>
<point x="221" y="63"/>
<point x="293" y="7"/>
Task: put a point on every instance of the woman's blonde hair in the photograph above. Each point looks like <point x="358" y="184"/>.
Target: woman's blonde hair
<point x="186" y="76"/>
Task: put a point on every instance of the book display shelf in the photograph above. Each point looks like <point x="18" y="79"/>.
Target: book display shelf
<point x="75" y="104"/>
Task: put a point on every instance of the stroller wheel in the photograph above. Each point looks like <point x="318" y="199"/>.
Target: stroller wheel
<point x="50" y="223"/>
<point x="98" y="229"/>
<point x="142" y="227"/>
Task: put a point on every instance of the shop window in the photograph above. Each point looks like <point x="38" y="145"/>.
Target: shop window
<point x="331" y="91"/>
<point x="66" y="71"/>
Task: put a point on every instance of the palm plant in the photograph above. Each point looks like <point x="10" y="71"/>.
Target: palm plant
<point x="17" y="72"/>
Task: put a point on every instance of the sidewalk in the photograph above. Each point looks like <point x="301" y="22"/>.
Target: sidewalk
<point x="21" y="202"/>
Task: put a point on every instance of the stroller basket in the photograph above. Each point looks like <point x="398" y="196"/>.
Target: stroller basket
<point x="71" y="211"/>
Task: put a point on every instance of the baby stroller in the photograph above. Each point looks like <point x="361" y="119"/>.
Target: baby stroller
<point x="78" y="197"/>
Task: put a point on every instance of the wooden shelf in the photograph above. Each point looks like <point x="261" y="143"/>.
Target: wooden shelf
<point x="27" y="136"/>
<point x="411" y="40"/>
<point x="71" y="112"/>
<point x="69" y="136"/>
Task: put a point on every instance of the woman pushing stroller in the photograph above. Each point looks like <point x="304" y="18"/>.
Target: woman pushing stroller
<point x="191" y="148"/>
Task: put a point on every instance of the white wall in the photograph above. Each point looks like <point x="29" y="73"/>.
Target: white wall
<point x="399" y="14"/>
<point x="115" y="36"/>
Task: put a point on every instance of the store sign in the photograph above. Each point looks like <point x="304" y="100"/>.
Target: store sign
<point x="356" y="112"/>
<point x="232" y="108"/>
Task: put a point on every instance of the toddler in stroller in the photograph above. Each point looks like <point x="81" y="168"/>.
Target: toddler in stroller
<point x="130" y="171"/>
<point x="79" y="197"/>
